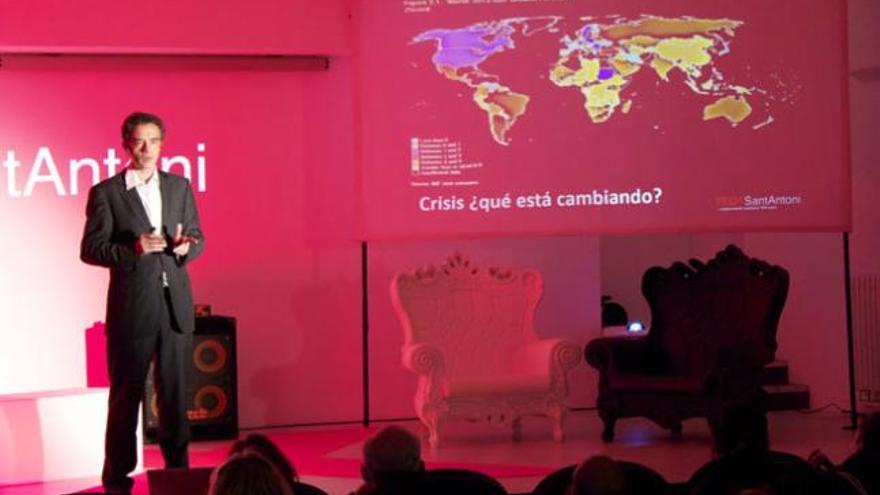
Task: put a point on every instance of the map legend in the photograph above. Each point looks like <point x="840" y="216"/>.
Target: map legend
<point x="437" y="156"/>
<point x="416" y="158"/>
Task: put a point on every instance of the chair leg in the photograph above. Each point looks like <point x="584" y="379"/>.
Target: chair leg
<point x="556" y="412"/>
<point x="517" y="429"/>
<point x="608" y="430"/>
<point x="430" y="428"/>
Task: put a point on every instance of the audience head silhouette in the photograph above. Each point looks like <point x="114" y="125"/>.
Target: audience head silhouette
<point x="261" y="445"/>
<point x="391" y="452"/>
<point x="863" y="464"/>
<point x="599" y="475"/>
<point x="868" y="439"/>
<point x="741" y="428"/>
<point x="247" y="474"/>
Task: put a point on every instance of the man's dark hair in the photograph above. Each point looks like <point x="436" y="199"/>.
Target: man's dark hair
<point x="247" y="474"/>
<point x="261" y="444"/>
<point x="139" y="118"/>
<point x="391" y="454"/>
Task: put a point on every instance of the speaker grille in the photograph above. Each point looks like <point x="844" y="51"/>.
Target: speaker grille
<point x="212" y="406"/>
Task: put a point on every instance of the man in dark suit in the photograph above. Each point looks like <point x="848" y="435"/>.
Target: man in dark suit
<point x="142" y="224"/>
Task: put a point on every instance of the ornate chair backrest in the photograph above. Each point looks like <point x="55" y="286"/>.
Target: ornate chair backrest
<point x="475" y="316"/>
<point x="732" y="303"/>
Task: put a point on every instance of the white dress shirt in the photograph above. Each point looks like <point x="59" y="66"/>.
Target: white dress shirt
<point x="151" y="198"/>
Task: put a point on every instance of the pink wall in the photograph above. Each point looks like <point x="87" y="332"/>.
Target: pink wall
<point x="865" y="127"/>
<point x="276" y="203"/>
<point x="303" y="27"/>
<point x="278" y="211"/>
<point x="282" y="257"/>
<point x="812" y="334"/>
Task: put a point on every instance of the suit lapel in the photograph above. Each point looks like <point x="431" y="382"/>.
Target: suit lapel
<point x="134" y="203"/>
<point x="167" y="206"/>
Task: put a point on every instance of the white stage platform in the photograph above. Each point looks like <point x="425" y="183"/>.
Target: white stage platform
<point x="54" y="435"/>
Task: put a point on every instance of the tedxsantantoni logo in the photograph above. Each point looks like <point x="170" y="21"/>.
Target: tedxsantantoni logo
<point x="758" y="202"/>
<point x="70" y="176"/>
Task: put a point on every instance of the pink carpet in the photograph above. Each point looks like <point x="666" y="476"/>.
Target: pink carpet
<point x="309" y="452"/>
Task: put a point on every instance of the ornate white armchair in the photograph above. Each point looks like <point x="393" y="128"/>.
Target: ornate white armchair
<point x="470" y="337"/>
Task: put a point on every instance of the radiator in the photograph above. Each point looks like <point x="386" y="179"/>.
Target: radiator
<point x="866" y="339"/>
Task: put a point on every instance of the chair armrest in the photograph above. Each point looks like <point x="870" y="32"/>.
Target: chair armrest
<point x="618" y="353"/>
<point x="424" y="359"/>
<point x="561" y="354"/>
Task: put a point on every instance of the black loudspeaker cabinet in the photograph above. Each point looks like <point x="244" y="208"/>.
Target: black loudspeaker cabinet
<point x="212" y="401"/>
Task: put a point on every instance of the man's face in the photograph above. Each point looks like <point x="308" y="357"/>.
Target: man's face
<point x="144" y="146"/>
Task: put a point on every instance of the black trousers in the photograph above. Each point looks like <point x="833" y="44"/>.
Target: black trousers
<point x="128" y="363"/>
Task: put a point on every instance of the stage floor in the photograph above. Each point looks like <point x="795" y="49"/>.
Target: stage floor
<point x="329" y="457"/>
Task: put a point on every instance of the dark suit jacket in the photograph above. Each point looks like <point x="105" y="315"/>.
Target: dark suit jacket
<point x="115" y="219"/>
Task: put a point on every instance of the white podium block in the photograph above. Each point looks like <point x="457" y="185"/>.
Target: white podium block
<point x="54" y="435"/>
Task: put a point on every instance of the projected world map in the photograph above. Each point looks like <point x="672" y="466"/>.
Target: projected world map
<point x="600" y="59"/>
